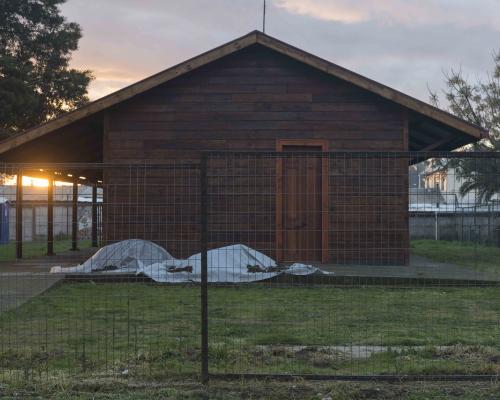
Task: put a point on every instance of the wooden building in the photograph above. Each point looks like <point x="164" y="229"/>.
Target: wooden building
<point x="253" y="93"/>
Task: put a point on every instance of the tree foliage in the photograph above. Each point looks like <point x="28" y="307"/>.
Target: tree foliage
<point x="479" y="103"/>
<point x="36" y="82"/>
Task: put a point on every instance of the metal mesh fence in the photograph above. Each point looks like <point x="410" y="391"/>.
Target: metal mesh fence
<point x="326" y="265"/>
<point x="382" y="264"/>
<point x="89" y="311"/>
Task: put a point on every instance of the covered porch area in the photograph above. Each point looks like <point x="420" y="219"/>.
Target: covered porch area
<point x="51" y="192"/>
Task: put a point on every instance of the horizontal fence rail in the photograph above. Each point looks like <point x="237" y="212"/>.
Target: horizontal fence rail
<point x="324" y="265"/>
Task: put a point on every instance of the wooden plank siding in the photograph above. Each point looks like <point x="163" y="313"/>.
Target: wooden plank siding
<point x="247" y="101"/>
<point x="369" y="211"/>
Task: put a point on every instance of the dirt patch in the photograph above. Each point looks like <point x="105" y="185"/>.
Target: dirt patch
<point x="123" y="389"/>
<point x="462" y="352"/>
<point x="320" y="357"/>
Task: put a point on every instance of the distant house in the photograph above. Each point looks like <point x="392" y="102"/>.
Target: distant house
<point x="447" y="182"/>
<point x="35" y="211"/>
<point x="422" y="198"/>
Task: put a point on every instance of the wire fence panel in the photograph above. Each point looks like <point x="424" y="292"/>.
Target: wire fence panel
<point x="91" y="312"/>
<point x="353" y="265"/>
<point x="319" y="264"/>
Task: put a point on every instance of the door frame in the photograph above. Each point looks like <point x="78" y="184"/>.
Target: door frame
<point x="280" y="145"/>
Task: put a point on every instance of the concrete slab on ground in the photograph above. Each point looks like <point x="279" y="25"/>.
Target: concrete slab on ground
<point x="21" y="280"/>
<point x="17" y="288"/>
<point x="354" y="352"/>
<point x="44" y="263"/>
<point x="420" y="267"/>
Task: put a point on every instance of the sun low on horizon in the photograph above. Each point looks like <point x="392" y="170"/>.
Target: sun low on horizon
<point x="33" y="182"/>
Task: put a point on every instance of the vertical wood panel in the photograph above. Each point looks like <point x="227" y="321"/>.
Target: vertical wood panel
<point x="282" y="195"/>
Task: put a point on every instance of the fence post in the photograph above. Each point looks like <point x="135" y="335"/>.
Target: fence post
<point x="94" y="215"/>
<point x="19" y="215"/>
<point x="50" y="216"/>
<point x="74" y="217"/>
<point x="436" y="226"/>
<point x="204" y="272"/>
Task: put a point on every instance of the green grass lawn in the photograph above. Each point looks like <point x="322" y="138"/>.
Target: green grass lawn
<point x="479" y="257"/>
<point x="138" y="331"/>
<point x="39" y="248"/>
<point x="152" y="331"/>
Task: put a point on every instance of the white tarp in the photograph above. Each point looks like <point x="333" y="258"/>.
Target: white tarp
<point x="125" y="256"/>
<point x="236" y="263"/>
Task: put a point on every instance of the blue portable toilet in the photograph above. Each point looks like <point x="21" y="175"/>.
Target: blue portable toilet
<point x="4" y="220"/>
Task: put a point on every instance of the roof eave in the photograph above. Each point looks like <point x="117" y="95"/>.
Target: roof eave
<point x="128" y="92"/>
<point x="253" y="37"/>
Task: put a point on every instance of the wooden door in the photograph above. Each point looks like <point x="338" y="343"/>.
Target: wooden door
<point x="301" y="204"/>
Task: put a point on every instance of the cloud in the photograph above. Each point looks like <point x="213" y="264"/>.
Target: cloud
<point x="109" y="80"/>
<point x="407" y="12"/>
<point x="127" y="40"/>
<point x="405" y="44"/>
<point x="102" y="87"/>
<point x="337" y="11"/>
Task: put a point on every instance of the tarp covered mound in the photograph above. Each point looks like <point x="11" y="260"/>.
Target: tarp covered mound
<point x="125" y="256"/>
<point x="236" y="263"/>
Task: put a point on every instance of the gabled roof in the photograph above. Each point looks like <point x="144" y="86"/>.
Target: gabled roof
<point x="415" y="105"/>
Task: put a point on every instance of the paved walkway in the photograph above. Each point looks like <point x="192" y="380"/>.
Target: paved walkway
<point x="44" y="263"/>
<point x="21" y="280"/>
<point x="420" y="267"/>
<point x="17" y="288"/>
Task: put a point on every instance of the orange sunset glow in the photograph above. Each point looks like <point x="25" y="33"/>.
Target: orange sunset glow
<point x="30" y="181"/>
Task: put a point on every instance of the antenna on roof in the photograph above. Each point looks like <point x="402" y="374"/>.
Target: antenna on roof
<point x="264" y="18"/>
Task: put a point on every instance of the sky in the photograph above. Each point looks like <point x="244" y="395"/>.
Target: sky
<point x="405" y="44"/>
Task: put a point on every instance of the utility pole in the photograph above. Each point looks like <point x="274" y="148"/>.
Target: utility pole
<point x="264" y="18"/>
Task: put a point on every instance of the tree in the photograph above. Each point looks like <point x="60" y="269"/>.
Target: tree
<point x="36" y="83"/>
<point x="478" y="103"/>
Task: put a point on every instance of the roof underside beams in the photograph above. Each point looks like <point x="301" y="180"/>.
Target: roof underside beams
<point x="79" y="143"/>
<point x="429" y="135"/>
<point x="69" y="174"/>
